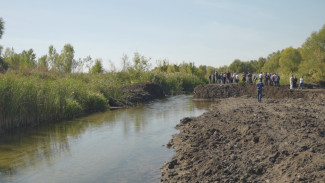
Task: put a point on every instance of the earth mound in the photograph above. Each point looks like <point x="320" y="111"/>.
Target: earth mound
<point x="281" y="139"/>
<point x="142" y="92"/>
<point x="213" y="91"/>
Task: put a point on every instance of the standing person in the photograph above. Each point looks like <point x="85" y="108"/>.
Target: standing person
<point x="302" y="81"/>
<point x="237" y="78"/>
<point x="244" y="77"/>
<point x="228" y="77"/>
<point x="272" y="79"/>
<point x="210" y="78"/>
<point x="213" y="78"/>
<point x="295" y="80"/>
<point x="255" y="77"/>
<point x="260" y="76"/>
<point x="259" y="87"/>
<point x="265" y="78"/>
<point x="250" y="81"/>
<point x="291" y="82"/>
<point x="216" y="76"/>
<point x="277" y="79"/>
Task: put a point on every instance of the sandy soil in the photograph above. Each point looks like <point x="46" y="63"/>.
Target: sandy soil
<point x="281" y="139"/>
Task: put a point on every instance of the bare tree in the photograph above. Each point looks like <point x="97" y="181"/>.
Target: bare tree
<point x="125" y="62"/>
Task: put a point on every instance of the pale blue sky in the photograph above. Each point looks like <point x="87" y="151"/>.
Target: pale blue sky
<point x="207" y="32"/>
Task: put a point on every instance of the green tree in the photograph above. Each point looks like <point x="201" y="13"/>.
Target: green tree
<point x="97" y="68"/>
<point x="289" y="60"/>
<point x="25" y="59"/>
<point x="224" y="68"/>
<point x="28" y="59"/>
<point x="2" y="27"/>
<point x="202" y="71"/>
<point x="141" y="63"/>
<point x="67" y="58"/>
<point x="3" y="64"/>
<point x="236" y="66"/>
<point x="313" y="55"/>
<point x="259" y="64"/>
<point x="162" y="65"/>
<point x="52" y="59"/>
<point x="10" y="57"/>
<point x="240" y="66"/>
<point x="272" y="62"/>
<point x="172" y="68"/>
<point x="42" y="62"/>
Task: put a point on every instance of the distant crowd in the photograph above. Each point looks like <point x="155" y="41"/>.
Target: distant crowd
<point x="227" y="77"/>
<point x="272" y="79"/>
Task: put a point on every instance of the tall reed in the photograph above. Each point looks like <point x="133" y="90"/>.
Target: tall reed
<point x="34" y="97"/>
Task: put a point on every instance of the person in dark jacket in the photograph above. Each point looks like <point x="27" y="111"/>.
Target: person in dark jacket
<point x="259" y="87"/>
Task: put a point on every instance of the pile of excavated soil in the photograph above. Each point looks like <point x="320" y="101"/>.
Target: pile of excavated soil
<point x="143" y="92"/>
<point x="241" y="140"/>
<point x="213" y="91"/>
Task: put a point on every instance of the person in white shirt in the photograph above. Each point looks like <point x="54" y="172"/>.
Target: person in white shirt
<point x="291" y="82"/>
<point x="260" y="76"/>
<point x="301" y="83"/>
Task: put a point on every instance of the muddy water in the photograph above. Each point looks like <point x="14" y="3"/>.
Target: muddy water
<point x="124" y="145"/>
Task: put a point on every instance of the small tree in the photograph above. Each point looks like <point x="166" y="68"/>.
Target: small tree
<point x="97" y="68"/>
<point x="141" y="63"/>
<point x="52" y="59"/>
<point x="88" y="61"/>
<point x="67" y="58"/>
<point x="125" y="63"/>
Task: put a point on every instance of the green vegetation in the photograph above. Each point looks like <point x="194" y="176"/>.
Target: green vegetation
<point x="30" y="97"/>
<point x="1" y="27"/>
<point x="307" y="61"/>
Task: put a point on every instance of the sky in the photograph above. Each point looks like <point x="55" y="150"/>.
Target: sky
<point x="206" y="32"/>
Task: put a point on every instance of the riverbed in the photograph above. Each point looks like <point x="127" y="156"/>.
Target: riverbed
<point x="123" y="145"/>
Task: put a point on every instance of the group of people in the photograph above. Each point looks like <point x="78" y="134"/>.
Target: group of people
<point x="293" y="82"/>
<point x="271" y="79"/>
<point x="227" y="77"/>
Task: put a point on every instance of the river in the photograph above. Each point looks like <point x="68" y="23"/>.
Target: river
<point x="123" y="145"/>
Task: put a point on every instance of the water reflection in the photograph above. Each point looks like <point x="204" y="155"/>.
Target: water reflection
<point x="123" y="145"/>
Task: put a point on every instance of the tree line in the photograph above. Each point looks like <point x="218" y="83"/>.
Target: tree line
<point x="307" y="60"/>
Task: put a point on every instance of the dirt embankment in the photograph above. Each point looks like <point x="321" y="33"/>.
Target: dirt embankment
<point x="213" y="91"/>
<point x="240" y="140"/>
<point x="142" y="93"/>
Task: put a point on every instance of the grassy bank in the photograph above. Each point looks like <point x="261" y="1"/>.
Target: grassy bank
<point x="32" y="97"/>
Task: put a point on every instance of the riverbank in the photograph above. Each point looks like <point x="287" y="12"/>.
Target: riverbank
<point x="133" y="95"/>
<point x="30" y="98"/>
<point x="240" y="140"/>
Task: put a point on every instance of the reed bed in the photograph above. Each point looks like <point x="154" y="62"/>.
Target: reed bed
<point x="35" y="97"/>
